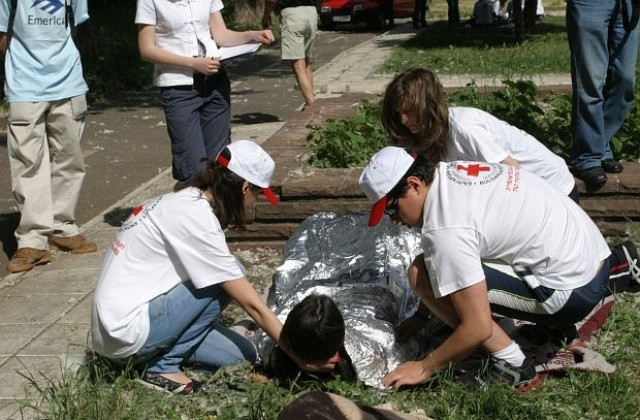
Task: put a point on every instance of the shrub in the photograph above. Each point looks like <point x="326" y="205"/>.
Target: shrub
<point x="350" y="142"/>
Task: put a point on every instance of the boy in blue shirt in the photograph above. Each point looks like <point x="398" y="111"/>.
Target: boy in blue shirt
<point x="47" y="107"/>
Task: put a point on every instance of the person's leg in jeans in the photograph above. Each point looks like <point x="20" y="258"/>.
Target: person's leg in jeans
<point x="453" y="12"/>
<point x="182" y="320"/>
<point x="588" y="24"/>
<point x="182" y="113"/>
<point x="65" y="124"/>
<point x="215" y="115"/>
<point x="419" y="13"/>
<point x="620" y="85"/>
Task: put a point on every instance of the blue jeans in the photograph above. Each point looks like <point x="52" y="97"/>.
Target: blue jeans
<point x="183" y="330"/>
<point x="198" y="122"/>
<point x="603" y="61"/>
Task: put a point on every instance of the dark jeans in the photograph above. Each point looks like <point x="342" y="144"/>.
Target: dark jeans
<point x="419" y="12"/>
<point x="524" y="302"/>
<point x="198" y="121"/>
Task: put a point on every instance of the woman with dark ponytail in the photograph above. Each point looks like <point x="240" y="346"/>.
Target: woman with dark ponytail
<point x="169" y="274"/>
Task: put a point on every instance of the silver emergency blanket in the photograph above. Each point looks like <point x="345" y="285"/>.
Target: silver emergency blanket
<point x="364" y="271"/>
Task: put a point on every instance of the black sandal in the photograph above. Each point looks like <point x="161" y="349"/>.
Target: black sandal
<point x="160" y="383"/>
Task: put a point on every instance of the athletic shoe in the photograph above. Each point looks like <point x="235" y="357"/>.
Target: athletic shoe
<point x="76" y="244"/>
<point x="26" y="258"/>
<point x="522" y="379"/>
<point x="160" y="383"/>
<point x="631" y="252"/>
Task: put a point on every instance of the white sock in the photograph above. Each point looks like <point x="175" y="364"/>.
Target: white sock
<point x="511" y="354"/>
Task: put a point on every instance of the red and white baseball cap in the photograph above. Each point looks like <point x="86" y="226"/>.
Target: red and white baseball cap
<point x="250" y="162"/>
<point x="383" y="172"/>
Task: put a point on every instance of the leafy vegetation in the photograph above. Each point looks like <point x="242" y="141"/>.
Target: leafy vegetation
<point x="351" y="141"/>
<point x="346" y="143"/>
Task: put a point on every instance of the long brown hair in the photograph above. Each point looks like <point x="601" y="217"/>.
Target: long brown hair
<point x="226" y="188"/>
<point x="419" y="93"/>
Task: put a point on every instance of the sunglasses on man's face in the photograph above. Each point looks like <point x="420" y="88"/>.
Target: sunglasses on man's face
<point x="392" y="207"/>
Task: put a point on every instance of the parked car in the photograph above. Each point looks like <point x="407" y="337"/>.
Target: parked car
<point x="375" y="13"/>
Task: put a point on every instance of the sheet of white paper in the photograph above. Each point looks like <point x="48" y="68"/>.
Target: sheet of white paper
<point x="229" y="52"/>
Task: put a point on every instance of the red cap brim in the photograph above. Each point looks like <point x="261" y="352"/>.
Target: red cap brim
<point x="268" y="193"/>
<point x="377" y="211"/>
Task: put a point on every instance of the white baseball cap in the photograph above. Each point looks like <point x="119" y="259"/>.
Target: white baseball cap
<point x="383" y="172"/>
<point x="250" y="162"/>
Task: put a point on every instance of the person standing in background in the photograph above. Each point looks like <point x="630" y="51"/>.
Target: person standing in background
<point x="603" y="39"/>
<point x="45" y="88"/>
<point x="419" y="17"/>
<point x="182" y="38"/>
<point x="299" y="25"/>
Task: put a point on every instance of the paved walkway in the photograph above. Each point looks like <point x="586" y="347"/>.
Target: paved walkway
<point x="45" y="313"/>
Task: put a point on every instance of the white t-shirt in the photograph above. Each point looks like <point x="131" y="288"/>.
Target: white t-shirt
<point x="479" y="136"/>
<point x="180" y="24"/>
<point x="476" y="212"/>
<point x="166" y="241"/>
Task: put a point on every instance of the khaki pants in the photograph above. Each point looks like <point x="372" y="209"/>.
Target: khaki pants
<point x="47" y="167"/>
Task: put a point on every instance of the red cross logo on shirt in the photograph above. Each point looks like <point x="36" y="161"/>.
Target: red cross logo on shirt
<point x="137" y="210"/>
<point x="474" y="169"/>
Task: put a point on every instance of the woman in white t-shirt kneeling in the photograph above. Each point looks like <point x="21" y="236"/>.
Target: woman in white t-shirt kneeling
<point x="169" y="274"/>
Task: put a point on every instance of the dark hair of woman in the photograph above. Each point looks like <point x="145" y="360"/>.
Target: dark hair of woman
<point x="314" y="330"/>
<point x="418" y="93"/>
<point x="226" y="188"/>
<point x="422" y="168"/>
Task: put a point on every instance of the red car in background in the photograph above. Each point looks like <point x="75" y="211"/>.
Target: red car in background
<point x="375" y="13"/>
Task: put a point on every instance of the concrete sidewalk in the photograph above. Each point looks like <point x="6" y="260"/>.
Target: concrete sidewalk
<point x="45" y="312"/>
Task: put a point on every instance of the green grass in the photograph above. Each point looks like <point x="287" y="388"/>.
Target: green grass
<point x="490" y="50"/>
<point x="100" y="392"/>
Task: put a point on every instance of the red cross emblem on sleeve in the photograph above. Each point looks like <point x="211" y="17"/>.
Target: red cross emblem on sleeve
<point x="474" y="169"/>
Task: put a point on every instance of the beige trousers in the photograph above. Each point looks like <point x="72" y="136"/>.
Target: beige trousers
<point x="47" y="167"/>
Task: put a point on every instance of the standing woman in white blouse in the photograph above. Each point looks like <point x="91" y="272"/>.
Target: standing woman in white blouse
<point x="182" y="37"/>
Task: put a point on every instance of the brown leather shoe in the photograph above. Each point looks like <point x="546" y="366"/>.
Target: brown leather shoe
<point x="26" y="258"/>
<point x="76" y="244"/>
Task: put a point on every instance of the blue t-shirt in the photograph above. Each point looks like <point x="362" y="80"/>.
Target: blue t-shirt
<point x="42" y="63"/>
